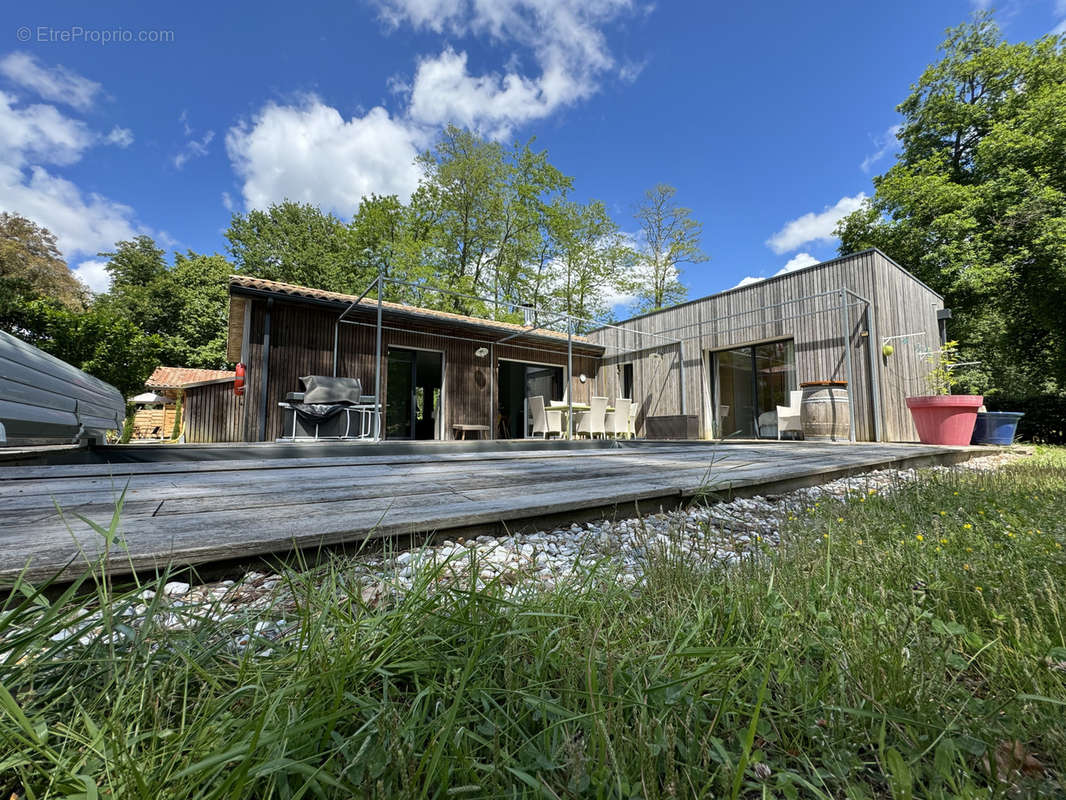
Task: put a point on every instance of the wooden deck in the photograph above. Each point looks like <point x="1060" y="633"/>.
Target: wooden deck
<point x="196" y="512"/>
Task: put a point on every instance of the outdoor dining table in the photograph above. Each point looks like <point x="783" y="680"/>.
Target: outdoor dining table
<point x="565" y="407"/>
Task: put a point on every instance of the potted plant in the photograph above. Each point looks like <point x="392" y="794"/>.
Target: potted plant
<point x="942" y="417"/>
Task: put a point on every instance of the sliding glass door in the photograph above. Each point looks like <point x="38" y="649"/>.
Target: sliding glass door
<point x="413" y="396"/>
<point x="517" y="383"/>
<point x="752" y="381"/>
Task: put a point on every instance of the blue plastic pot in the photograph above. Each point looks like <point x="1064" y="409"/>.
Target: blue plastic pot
<point x="995" y="427"/>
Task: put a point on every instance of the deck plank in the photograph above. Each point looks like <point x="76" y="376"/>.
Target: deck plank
<point x="192" y="516"/>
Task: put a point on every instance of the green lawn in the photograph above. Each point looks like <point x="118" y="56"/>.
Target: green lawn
<point x="908" y="645"/>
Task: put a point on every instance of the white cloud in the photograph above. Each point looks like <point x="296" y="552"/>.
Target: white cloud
<point x="445" y="92"/>
<point x="93" y="274"/>
<point x="40" y="133"/>
<point x="884" y="144"/>
<point x="813" y="227"/>
<point x="120" y="137"/>
<point x="36" y="138"/>
<point x="56" y="83"/>
<point x="566" y="41"/>
<point x="310" y="153"/>
<point x="798" y="261"/>
<point x="227" y="201"/>
<point x="748" y="281"/>
<point x="1060" y="11"/>
<point x="83" y="223"/>
<point x="194" y="147"/>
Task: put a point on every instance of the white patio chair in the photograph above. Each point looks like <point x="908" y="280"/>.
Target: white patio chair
<point x="617" y="421"/>
<point x="632" y="419"/>
<point x="788" y="417"/>
<point x="545" y="422"/>
<point x="591" y="423"/>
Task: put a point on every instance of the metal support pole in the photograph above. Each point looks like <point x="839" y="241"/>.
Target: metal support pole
<point x="873" y="353"/>
<point x="336" y="334"/>
<point x="570" y="378"/>
<point x="847" y="360"/>
<point x="337" y="322"/>
<point x="494" y="404"/>
<point x="380" y="405"/>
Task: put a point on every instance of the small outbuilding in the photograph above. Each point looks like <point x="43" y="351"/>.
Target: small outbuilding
<point x="209" y="410"/>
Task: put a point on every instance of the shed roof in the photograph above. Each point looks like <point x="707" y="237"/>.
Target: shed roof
<point x="245" y="284"/>
<point x="183" y="377"/>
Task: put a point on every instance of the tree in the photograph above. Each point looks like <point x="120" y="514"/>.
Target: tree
<point x="199" y="287"/>
<point x="140" y="290"/>
<point x="976" y="204"/>
<point x="589" y="260"/>
<point x="670" y="238"/>
<point x="298" y="243"/>
<point x="31" y="268"/>
<point x="99" y="341"/>
<point x="478" y="218"/>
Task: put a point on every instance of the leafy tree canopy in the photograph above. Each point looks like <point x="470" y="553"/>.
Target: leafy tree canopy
<point x="31" y="268"/>
<point x="671" y="237"/>
<point x="976" y="203"/>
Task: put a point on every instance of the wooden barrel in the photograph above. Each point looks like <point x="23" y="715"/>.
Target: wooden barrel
<point x="824" y="412"/>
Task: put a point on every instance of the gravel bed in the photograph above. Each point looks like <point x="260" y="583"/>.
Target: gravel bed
<point x="256" y="607"/>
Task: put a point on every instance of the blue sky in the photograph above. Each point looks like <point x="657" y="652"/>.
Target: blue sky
<point x="770" y="119"/>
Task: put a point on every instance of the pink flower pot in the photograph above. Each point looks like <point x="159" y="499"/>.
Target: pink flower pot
<point x="945" y="419"/>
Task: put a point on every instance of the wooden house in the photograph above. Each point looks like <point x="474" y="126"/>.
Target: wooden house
<point x="725" y="362"/>
<point x="440" y="373"/>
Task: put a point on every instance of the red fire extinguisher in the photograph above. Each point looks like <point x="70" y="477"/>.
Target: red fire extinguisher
<point x="238" y="381"/>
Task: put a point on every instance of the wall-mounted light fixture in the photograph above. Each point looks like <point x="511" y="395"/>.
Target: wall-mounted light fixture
<point x="481" y="352"/>
<point x="582" y="377"/>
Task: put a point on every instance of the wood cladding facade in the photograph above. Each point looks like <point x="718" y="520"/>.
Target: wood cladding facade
<point x="805" y="306"/>
<point x="295" y="338"/>
<point x="213" y="413"/>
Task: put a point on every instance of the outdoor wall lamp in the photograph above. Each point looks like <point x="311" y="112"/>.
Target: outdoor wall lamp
<point x="481" y="352"/>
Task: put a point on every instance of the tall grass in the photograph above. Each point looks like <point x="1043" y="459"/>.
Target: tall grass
<point x="906" y="645"/>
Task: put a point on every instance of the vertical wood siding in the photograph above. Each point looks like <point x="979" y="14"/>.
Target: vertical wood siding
<point x="213" y="413"/>
<point x="761" y="312"/>
<point x="301" y="343"/>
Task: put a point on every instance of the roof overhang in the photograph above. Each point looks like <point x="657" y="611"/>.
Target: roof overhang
<point x="240" y="294"/>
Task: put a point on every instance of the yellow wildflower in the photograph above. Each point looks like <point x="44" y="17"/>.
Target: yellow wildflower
<point x="919" y="537"/>
<point x="968" y="526"/>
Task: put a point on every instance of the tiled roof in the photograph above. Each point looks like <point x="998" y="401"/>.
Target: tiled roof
<point x="293" y="290"/>
<point x="177" y="377"/>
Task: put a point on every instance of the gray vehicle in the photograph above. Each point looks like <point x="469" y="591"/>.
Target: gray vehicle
<point x="47" y="401"/>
